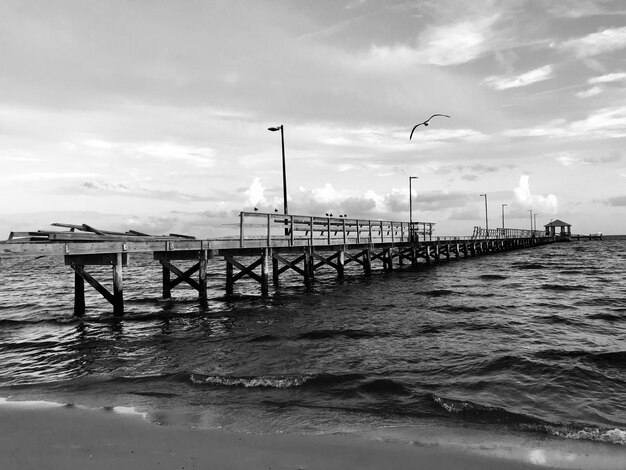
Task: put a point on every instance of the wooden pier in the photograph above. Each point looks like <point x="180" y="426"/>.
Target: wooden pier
<point x="267" y="245"/>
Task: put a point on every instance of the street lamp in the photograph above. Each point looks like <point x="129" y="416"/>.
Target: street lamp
<point x="411" y="178"/>
<point x="486" y="216"/>
<point x="531" y="219"/>
<point x="503" y="206"/>
<point x="282" y="142"/>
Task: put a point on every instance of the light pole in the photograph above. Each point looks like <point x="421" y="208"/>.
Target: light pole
<point x="486" y="215"/>
<point x="282" y="142"/>
<point x="411" y="178"/>
<point x="503" y="206"/>
<point x="531" y="219"/>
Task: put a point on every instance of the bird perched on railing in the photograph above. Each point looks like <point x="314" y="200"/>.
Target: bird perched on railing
<point x="425" y="123"/>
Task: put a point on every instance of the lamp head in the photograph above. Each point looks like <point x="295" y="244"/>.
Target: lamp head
<point x="274" y="129"/>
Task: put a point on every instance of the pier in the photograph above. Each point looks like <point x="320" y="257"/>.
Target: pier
<point x="268" y="245"/>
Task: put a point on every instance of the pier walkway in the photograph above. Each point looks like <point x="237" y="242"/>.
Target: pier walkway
<point x="267" y="245"/>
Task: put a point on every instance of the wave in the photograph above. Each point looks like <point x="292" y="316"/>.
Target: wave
<point x="263" y="338"/>
<point x="558" y="320"/>
<point x="563" y="287"/>
<point x="322" y="381"/>
<point x="463" y="308"/>
<point x="482" y="413"/>
<point x="10" y="322"/>
<point x="485" y="414"/>
<point x="607" y="317"/>
<point x="348" y="333"/>
<point x="610" y="436"/>
<point x="580" y="432"/>
<point x="616" y="358"/>
<point x="438" y="293"/>
<point x="249" y="382"/>
<point x="494" y="277"/>
<point x="526" y="265"/>
<point x="385" y="387"/>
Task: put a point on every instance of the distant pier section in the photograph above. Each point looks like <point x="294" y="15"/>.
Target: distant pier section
<point x="267" y="245"/>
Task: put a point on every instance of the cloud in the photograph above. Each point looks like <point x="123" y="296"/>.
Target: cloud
<point x="255" y="193"/>
<point x="568" y="160"/>
<point x="608" y="78"/>
<point x="600" y="84"/>
<point x="618" y="201"/>
<point x="593" y="91"/>
<point x="605" y="122"/>
<point x="525" y="79"/>
<point x="450" y="44"/>
<point x="103" y="188"/>
<point x="545" y="204"/>
<point x="602" y="42"/>
<point x="46" y="176"/>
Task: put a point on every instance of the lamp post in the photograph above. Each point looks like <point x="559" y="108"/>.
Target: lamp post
<point x="531" y="219"/>
<point x="282" y="142"/>
<point x="503" y="206"/>
<point x="486" y="215"/>
<point x="411" y="178"/>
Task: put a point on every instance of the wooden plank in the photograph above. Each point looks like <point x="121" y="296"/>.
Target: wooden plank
<point x="105" y="259"/>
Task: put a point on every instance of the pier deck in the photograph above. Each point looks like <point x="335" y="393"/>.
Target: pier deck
<point x="302" y="244"/>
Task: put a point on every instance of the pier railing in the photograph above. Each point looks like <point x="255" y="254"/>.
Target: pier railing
<point x="302" y="230"/>
<point x="500" y="233"/>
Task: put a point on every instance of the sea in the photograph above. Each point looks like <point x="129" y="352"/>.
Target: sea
<point x="520" y="354"/>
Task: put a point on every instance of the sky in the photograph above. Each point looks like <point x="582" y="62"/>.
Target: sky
<point x="154" y="115"/>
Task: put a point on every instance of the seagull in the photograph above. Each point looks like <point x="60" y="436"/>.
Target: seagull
<point x="425" y="123"/>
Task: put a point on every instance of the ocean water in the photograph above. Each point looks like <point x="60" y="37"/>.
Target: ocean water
<point x="529" y="345"/>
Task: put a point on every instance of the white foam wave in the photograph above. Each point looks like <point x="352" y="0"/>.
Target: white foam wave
<point x="251" y="382"/>
<point x="611" y="436"/>
<point x="29" y="403"/>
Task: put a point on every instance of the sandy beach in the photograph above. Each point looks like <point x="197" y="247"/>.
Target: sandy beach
<point x="72" y="438"/>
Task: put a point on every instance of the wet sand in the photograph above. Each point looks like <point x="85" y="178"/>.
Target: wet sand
<point x="71" y="438"/>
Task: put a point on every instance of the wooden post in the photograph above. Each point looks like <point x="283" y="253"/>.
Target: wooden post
<point x="265" y="266"/>
<point x="341" y="262"/>
<point x="309" y="266"/>
<point x="79" y="294"/>
<point x="328" y="228"/>
<point x="230" y="284"/>
<point x="275" y="273"/>
<point x="202" y="280"/>
<point x="387" y="260"/>
<point x="367" y="258"/>
<point x="167" y="288"/>
<point x="241" y="229"/>
<point x="291" y="230"/>
<point x="118" y="292"/>
<point x="269" y="230"/>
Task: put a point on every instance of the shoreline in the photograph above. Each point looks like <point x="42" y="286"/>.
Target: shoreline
<point x="54" y="436"/>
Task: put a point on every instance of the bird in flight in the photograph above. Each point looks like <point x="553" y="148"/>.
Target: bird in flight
<point x="425" y="123"/>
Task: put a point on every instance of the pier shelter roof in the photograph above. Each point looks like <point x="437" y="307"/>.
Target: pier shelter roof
<point x="558" y="223"/>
